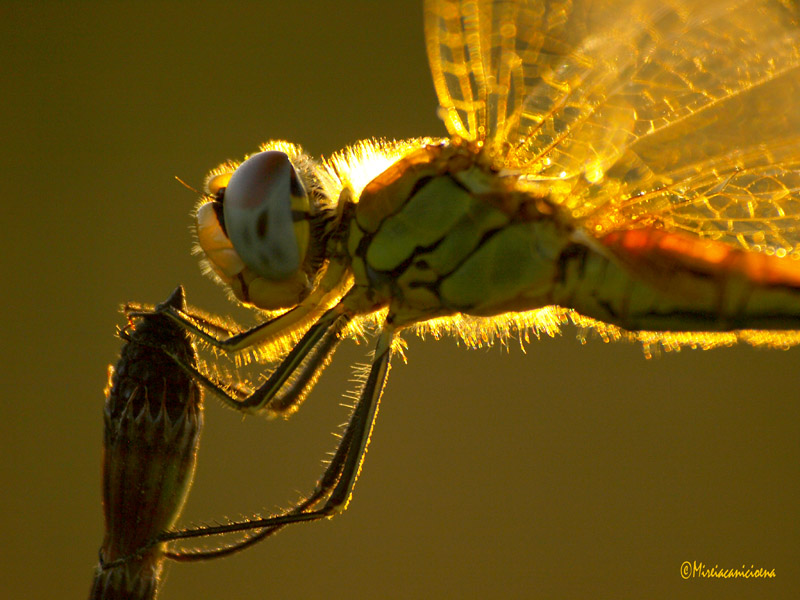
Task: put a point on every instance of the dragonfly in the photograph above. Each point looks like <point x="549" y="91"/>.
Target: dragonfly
<point x="631" y="168"/>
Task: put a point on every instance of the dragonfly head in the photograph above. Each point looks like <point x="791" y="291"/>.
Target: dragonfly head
<point x="256" y="228"/>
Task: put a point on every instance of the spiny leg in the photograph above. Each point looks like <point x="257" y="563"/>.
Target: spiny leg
<point x="324" y="486"/>
<point x="336" y="484"/>
<point x="297" y="373"/>
<point x="330" y="287"/>
<point x="233" y="341"/>
<point x="200" y="322"/>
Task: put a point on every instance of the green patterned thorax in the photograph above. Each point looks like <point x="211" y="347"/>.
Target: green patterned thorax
<point x="442" y="232"/>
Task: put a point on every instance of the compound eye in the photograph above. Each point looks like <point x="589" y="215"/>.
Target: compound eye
<point x="216" y="183"/>
<point x="263" y="199"/>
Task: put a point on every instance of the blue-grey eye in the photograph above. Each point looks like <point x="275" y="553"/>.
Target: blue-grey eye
<point x="258" y="207"/>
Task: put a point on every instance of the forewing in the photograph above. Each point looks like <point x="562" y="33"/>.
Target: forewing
<point x="728" y="166"/>
<point x="480" y="52"/>
<point x="677" y="112"/>
<point x="532" y="77"/>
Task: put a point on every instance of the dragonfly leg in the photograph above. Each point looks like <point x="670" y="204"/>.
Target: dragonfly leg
<point x="335" y="485"/>
<point x="185" y="317"/>
<point x="282" y="326"/>
<point x="288" y="385"/>
<point x="324" y="486"/>
<point x="219" y="336"/>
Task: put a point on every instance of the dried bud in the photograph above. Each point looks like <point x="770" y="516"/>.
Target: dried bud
<point x="153" y="418"/>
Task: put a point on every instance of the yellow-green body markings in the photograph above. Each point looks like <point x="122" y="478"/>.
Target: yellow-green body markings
<point x="439" y="233"/>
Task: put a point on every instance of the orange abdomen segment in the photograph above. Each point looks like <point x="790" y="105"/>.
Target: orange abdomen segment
<point x="657" y="251"/>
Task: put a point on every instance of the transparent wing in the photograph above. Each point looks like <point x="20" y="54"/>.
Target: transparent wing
<point x="677" y="112"/>
<point x="480" y="52"/>
<point x="746" y="197"/>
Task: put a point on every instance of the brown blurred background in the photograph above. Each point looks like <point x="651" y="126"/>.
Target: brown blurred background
<point x="565" y="471"/>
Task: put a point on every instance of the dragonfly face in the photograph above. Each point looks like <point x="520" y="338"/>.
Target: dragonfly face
<point x="255" y="231"/>
<point x="631" y="167"/>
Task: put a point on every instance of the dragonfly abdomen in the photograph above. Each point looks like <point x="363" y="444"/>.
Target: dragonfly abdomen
<point x="649" y="279"/>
